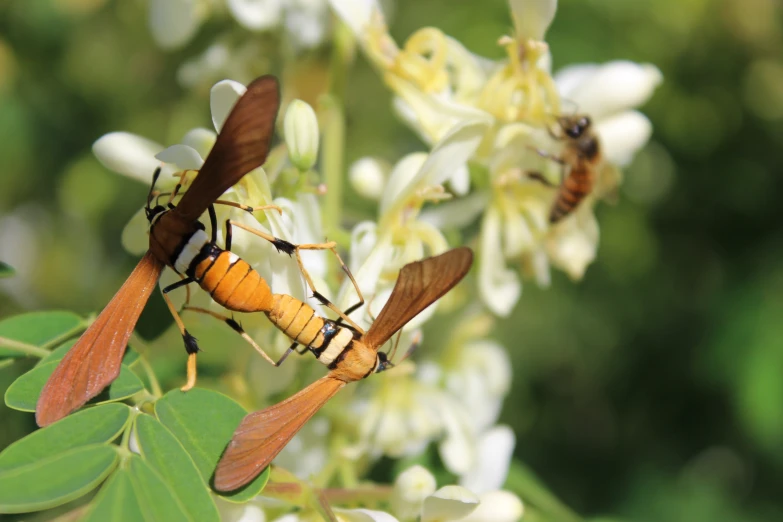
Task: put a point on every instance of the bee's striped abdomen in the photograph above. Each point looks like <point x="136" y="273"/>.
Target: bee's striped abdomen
<point x="574" y="189"/>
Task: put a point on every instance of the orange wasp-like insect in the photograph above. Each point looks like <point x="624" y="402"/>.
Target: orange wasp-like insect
<point x="582" y="155"/>
<point x="263" y="434"/>
<point x="179" y="240"/>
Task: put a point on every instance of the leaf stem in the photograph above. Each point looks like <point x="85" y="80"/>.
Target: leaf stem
<point x="25" y="348"/>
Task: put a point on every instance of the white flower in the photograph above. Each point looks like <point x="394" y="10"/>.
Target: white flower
<point x="448" y="503"/>
<point x="410" y="489"/>
<point x="489" y="472"/>
<point x="300" y="129"/>
<point x="174" y="22"/>
<point x="497" y="506"/>
<point x="368" y="177"/>
<point x="306" y="21"/>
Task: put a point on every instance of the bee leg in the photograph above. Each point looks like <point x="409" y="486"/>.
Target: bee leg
<point x="191" y="346"/>
<point x="231" y="322"/>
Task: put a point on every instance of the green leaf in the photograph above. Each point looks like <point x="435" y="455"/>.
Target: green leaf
<point x="163" y="452"/>
<point x="23" y="392"/>
<point x="136" y="493"/>
<point x="6" y="362"/>
<point x="6" y="270"/>
<point x="155" y="496"/>
<point x="101" y="424"/>
<point x="54" y="481"/>
<point x="203" y="421"/>
<point x="58" y="353"/>
<point x="37" y="329"/>
<point x="116" y="501"/>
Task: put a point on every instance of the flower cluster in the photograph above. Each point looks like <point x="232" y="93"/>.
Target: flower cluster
<point x="492" y="154"/>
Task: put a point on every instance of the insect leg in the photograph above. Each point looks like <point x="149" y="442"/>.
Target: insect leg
<point x="230" y="321"/>
<point x="191" y="347"/>
<point x="289" y="248"/>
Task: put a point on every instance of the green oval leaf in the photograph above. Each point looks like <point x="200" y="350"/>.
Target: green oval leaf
<point x="6" y="270"/>
<point x="37" y="329"/>
<point x="163" y="452"/>
<point x="203" y="421"/>
<point x="101" y="424"/>
<point x="156" y="498"/>
<point x="23" y="392"/>
<point x="116" y="501"/>
<point x="54" y="481"/>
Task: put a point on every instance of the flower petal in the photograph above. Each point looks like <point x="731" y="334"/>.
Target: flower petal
<point x="222" y="98"/>
<point x="458" y="213"/>
<point x="135" y="239"/>
<point x="497" y="506"/>
<point x="174" y="22"/>
<point x="449" y="503"/>
<point x="200" y="139"/>
<point x="183" y="156"/>
<point x="623" y="135"/>
<point x="363" y="515"/>
<point x="573" y="244"/>
<point x="256" y="15"/>
<point x="368" y="177"/>
<point x="128" y="154"/>
<point x="498" y="286"/>
<point x="610" y="88"/>
<point x="494" y="456"/>
<point x="356" y="13"/>
<point x="411" y="488"/>
<point x="532" y="18"/>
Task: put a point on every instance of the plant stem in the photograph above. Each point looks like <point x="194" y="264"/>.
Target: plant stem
<point x="25" y="348"/>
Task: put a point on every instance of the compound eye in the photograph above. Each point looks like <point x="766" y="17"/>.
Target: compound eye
<point x="574" y="132"/>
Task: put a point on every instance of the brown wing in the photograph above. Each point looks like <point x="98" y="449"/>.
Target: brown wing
<point x="420" y="284"/>
<point x="262" y="434"/>
<point x="241" y="146"/>
<point x="94" y="361"/>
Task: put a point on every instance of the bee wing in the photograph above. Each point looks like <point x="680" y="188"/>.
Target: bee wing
<point x="241" y="146"/>
<point x="262" y="434"/>
<point x="94" y="361"/>
<point x="420" y="284"/>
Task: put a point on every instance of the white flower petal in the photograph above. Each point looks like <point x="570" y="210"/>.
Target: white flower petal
<point x="460" y="180"/>
<point x="363" y="515"/>
<point x="456" y="214"/>
<point x="256" y="15"/>
<point x="449" y="154"/>
<point x="497" y="506"/>
<point x="448" y="503"/>
<point x="222" y="98"/>
<point x="174" y="22"/>
<point x="414" y="485"/>
<point x="573" y="245"/>
<point x="458" y="448"/>
<point x="135" y="239"/>
<point x="231" y="512"/>
<point x="612" y="87"/>
<point x="498" y="286"/>
<point x="368" y="177"/>
<point x="200" y="139"/>
<point x="494" y="456"/>
<point x="356" y="13"/>
<point x="128" y="154"/>
<point x="532" y="18"/>
<point x="623" y="135"/>
<point x="401" y="177"/>
<point x="184" y="157"/>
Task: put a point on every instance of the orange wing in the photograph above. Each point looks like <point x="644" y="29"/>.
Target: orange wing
<point x="420" y="284"/>
<point x="94" y="361"/>
<point x="262" y="434"/>
<point x="241" y="146"/>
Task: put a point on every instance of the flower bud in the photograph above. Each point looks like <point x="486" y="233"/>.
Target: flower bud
<point x="300" y="128"/>
<point x="410" y="489"/>
<point x="368" y="177"/>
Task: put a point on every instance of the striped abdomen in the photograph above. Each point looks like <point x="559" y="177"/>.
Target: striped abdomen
<point x="574" y="189"/>
<point x="329" y="342"/>
<point x="230" y="281"/>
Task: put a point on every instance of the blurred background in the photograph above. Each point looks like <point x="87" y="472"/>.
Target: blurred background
<point x="650" y="391"/>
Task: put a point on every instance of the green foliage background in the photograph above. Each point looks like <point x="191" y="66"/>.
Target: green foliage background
<point x="651" y="390"/>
